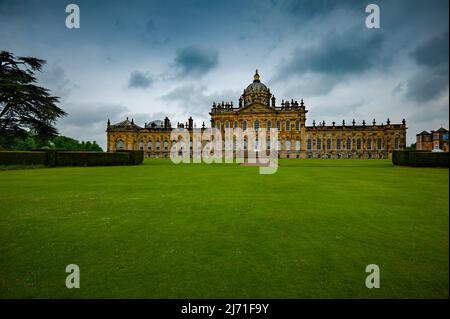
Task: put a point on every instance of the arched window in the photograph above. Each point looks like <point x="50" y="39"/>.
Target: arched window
<point x="297" y="145"/>
<point x="379" y="143"/>
<point x="349" y="144"/>
<point x="236" y="124"/>
<point x="120" y="145"/>
<point x="166" y="145"/>
<point x="309" y="144"/>
<point x="288" y="125"/>
<point x="141" y="145"/>
<point x="369" y="144"/>
<point x="149" y="145"/>
<point x="288" y="145"/>
<point x="227" y="124"/>
<point x="245" y="143"/>
<point x="329" y="144"/>
<point x="397" y="143"/>
<point x="218" y="125"/>
<point x="319" y="144"/>
<point x="244" y="125"/>
<point x="174" y="145"/>
<point x="278" y="125"/>
<point x="269" y="125"/>
<point x="256" y="125"/>
<point x="358" y="144"/>
<point x="158" y="145"/>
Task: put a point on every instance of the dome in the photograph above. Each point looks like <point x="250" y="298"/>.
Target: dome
<point x="155" y="124"/>
<point x="256" y="86"/>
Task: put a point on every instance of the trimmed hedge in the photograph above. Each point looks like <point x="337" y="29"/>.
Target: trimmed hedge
<point x="421" y="158"/>
<point x="53" y="158"/>
<point x="91" y="159"/>
<point x="136" y="157"/>
<point x="23" y="158"/>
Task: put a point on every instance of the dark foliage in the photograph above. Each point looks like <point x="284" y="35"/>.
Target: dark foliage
<point x="52" y="157"/>
<point x="421" y="158"/>
<point x="30" y="142"/>
<point x="24" y="105"/>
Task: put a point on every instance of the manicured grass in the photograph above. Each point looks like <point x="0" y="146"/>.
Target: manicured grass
<point x="161" y="230"/>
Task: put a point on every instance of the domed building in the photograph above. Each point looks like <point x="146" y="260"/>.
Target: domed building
<point x="257" y="108"/>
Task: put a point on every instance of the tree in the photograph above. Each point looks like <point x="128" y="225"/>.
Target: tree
<point x="71" y="144"/>
<point x="25" y="107"/>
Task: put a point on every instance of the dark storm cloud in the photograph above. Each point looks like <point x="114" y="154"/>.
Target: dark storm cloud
<point x="84" y="115"/>
<point x="195" y="60"/>
<point x="432" y="80"/>
<point x="88" y="121"/>
<point x="428" y="84"/>
<point x="139" y="79"/>
<point x="433" y="52"/>
<point x="195" y="99"/>
<point x="337" y="111"/>
<point x="150" y="26"/>
<point x="55" y="78"/>
<point x="309" y="9"/>
<point x="153" y="35"/>
<point x="350" y="52"/>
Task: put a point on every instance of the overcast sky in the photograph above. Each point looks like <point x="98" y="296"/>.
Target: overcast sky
<point x="151" y="59"/>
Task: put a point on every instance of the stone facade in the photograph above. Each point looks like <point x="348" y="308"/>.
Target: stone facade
<point x="434" y="140"/>
<point x="257" y="109"/>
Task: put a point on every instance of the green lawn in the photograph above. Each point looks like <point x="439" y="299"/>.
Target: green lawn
<point x="161" y="230"/>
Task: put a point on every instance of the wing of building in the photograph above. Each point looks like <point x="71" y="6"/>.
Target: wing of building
<point x="257" y="108"/>
<point x="435" y="140"/>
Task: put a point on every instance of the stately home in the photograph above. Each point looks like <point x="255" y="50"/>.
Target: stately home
<point x="434" y="140"/>
<point x="257" y="108"/>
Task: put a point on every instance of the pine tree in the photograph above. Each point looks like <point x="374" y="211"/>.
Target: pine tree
<point x="25" y="107"/>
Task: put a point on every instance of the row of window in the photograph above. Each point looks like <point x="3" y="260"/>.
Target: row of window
<point x="340" y="144"/>
<point x="347" y="144"/>
<point x="256" y="125"/>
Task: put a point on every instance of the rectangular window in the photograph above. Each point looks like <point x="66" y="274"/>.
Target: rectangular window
<point x="369" y="144"/>
<point x="319" y="144"/>
<point x="338" y="144"/>
<point x="309" y="144"/>
<point x="329" y="144"/>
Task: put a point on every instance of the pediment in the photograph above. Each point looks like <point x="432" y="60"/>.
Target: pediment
<point x="256" y="108"/>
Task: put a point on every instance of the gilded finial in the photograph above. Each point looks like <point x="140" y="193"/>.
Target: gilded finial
<point x="256" y="76"/>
